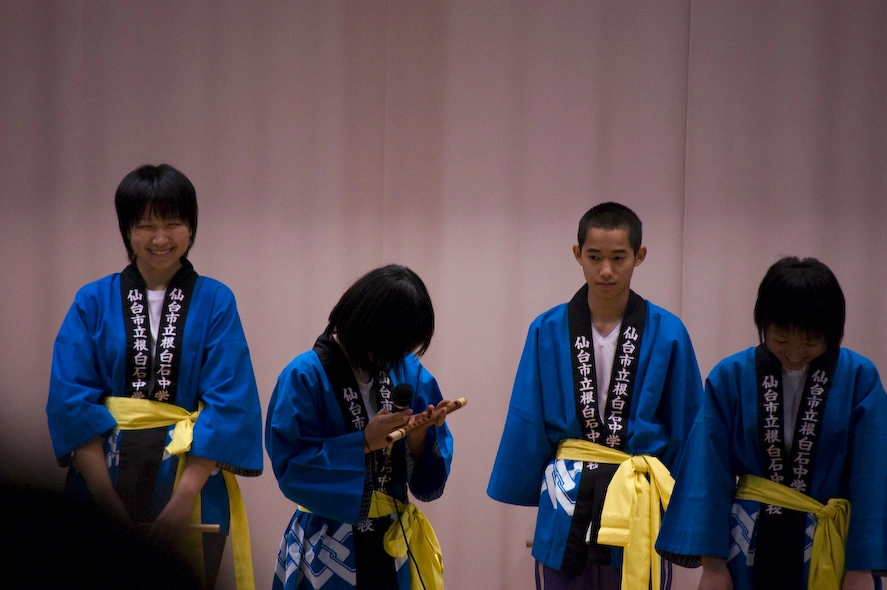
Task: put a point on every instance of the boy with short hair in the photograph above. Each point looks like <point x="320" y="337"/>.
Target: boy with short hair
<point x="605" y="380"/>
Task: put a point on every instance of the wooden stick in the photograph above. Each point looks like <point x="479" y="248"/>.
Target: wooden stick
<point x="401" y="432"/>
<point x="197" y="528"/>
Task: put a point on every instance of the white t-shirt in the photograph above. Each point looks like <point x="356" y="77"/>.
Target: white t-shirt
<point x="155" y="308"/>
<point x="365" y="391"/>
<point x="792" y="386"/>
<point x="604" y="354"/>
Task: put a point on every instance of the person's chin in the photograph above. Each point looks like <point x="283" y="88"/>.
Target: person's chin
<point x="607" y="289"/>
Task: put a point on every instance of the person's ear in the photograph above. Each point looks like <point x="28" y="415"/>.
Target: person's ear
<point x="641" y="254"/>
<point x="577" y="254"/>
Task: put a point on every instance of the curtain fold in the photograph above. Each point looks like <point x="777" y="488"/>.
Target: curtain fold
<point x="463" y="139"/>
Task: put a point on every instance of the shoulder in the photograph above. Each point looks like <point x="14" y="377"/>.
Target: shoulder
<point x="215" y="287"/>
<point x="102" y="285"/>
<point x="856" y="362"/>
<point x="307" y="360"/>
<point x="97" y="293"/>
<point x="412" y="368"/>
<point x="552" y="316"/>
<point x="305" y="368"/>
<point x="664" y="317"/>
<point x="738" y="362"/>
<point x="666" y="328"/>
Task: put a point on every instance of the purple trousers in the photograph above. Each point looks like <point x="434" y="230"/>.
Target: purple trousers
<point x="595" y="577"/>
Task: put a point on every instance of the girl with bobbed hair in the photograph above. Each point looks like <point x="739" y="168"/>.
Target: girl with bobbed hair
<point x="153" y="405"/>
<point x="326" y="433"/>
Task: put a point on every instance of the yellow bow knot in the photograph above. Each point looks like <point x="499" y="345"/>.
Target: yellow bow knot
<point x="140" y="414"/>
<point x="411" y="530"/>
<point x="638" y="493"/>
<point x="829" y="538"/>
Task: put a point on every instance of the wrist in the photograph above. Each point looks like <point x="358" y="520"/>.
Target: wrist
<point x="366" y="444"/>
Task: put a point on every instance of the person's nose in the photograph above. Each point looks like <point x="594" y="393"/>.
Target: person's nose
<point x="795" y="354"/>
<point x="160" y="236"/>
<point x="606" y="269"/>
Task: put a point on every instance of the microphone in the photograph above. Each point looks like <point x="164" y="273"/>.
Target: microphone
<point x="402" y="396"/>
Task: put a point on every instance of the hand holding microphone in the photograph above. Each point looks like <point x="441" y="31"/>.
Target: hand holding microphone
<point x="393" y="415"/>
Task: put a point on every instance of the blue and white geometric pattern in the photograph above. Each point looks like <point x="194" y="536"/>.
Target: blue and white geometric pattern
<point x="315" y="559"/>
<point x="560" y="483"/>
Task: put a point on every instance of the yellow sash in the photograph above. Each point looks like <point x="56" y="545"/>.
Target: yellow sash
<point x="139" y="414"/>
<point x="632" y="512"/>
<point x="830" y="537"/>
<point x="417" y="533"/>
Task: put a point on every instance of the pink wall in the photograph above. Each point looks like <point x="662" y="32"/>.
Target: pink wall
<point x="463" y="139"/>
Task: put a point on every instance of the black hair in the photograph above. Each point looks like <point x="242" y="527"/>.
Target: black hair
<point x="383" y="316"/>
<point x="155" y="190"/>
<point x="612" y="216"/>
<point x="802" y="295"/>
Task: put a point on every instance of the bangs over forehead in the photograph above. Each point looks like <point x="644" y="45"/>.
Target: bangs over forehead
<point x="802" y="296"/>
<point x="161" y="191"/>
<point x="164" y="206"/>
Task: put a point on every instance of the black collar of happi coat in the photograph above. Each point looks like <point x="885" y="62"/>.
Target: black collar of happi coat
<point x="612" y="428"/>
<point x="808" y="424"/>
<point x="152" y="367"/>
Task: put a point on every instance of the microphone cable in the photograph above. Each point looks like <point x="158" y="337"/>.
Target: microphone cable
<point x="407" y="542"/>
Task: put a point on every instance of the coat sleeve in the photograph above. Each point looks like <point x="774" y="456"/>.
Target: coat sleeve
<point x="317" y="464"/>
<point x="430" y="471"/>
<point x="867" y="473"/>
<point x="682" y="396"/>
<point x="697" y="521"/>
<point x="524" y="448"/>
<point x="229" y="429"/>
<point x="73" y="408"/>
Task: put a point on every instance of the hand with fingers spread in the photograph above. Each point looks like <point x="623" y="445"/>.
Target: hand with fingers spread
<point x="380" y="425"/>
<point x="432" y="416"/>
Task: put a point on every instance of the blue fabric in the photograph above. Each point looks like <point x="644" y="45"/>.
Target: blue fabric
<point x="851" y="463"/>
<point x="542" y="412"/>
<point x="320" y="465"/>
<point x="89" y="363"/>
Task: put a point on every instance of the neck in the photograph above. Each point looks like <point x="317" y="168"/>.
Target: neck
<point x="607" y="313"/>
<point x="157" y="280"/>
<point x="359" y="374"/>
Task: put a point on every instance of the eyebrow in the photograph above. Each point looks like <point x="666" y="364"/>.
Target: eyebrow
<point x="615" y="251"/>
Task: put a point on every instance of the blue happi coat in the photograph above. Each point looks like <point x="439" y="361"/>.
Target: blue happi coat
<point x="319" y="461"/>
<point x="89" y="363"/>
<point x="703" y="518"/>
<point x="542" y="412"/>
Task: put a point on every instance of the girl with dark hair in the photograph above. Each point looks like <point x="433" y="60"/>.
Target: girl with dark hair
<point x="153" y="404"/>
<point x="327" y="436"/>
<point x="782" y="481"/>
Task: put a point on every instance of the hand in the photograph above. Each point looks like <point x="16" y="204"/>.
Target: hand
<point x="715" y="575"/>
<point x="381" y="425"/>
<point x="858" y="580"/>
<point x="111" y="502"/>
<point x="176" y="515"/>
<point x="174" y="519"/>
<point x="416" y="437"/>
<point x="90" y="461"/>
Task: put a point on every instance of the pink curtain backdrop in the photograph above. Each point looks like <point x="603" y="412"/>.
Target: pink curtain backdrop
<point x="463" y="139"/>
